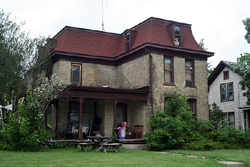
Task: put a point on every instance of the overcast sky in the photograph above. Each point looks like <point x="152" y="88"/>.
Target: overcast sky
<point x="219" y="22"/>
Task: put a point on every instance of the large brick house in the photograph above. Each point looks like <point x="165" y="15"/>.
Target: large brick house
<point x="122" y="77"/>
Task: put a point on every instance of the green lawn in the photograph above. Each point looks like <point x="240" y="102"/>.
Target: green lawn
<point x="74" y="157"/>
<point x="230" y="155"/>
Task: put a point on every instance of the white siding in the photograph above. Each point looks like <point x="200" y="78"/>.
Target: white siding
<point x="228" y="106"/>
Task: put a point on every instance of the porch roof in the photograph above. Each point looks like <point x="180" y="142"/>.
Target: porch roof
<point x="105" y="93"/>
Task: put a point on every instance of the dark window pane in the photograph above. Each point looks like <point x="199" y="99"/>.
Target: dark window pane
<point x="231" y="119"/>
<point x="230" y="91"/>
<point x="226" y="75"/>
<point x="223" y="92"/>
<point x="76" y="76"/>
<point x="177" y="30"/>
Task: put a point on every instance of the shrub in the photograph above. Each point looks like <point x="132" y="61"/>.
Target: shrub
<point x="175" y="128"/>
<point x="170" y="126"/>
<point x="25" y="130"/>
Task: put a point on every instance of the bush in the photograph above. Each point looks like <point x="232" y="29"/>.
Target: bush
<point x="170" y="126"/>
<point x="25" y="130"/>
<point x="175" y="128"/>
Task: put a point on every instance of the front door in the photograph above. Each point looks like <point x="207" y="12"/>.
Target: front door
<point x="121" y="114"/>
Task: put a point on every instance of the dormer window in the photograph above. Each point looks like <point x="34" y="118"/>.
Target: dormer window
<point x="177" y="35"/>
<point x="127" y="36"/>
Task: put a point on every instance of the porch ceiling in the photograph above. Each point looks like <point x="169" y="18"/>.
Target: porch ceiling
<point x="105" y="93"/>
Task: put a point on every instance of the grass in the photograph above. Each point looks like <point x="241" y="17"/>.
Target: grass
<point x="241" y="155"/>
<point x="74" y="157"/>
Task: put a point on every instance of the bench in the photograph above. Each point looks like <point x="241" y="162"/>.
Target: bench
<point x="85" y="145"/>
<point x="114" y="147"/>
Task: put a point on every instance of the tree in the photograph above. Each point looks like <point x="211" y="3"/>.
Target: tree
<point x="216" y="116"/>
<point x="25" y="130"/>
<point x="247" y="27"/>
<point x="201" y="43"/>
<point x="170" y="126"/>
<point x="18" y="53"/>
<point x="242" y="66"/>
<point x="210" y="69"/>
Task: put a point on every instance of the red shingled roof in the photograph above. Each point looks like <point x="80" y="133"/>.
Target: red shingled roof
<point x="98" y="43"/>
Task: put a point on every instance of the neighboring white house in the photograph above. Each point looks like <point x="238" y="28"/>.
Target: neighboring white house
<point x="225" y="91"/>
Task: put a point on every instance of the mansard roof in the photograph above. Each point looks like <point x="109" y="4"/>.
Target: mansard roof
<point x="153" y="31"/>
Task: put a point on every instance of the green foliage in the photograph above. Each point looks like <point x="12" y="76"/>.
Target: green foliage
<point x="210" y="69"/>
<point x="175" y="128"/>
<point x="18" y="52"/>
<point x="170" y="126"/>
<point x="24" y="130"/>
<point x="216" y="116"/>
<point x="247" y="27"/>
<point x="202" y="45"/>
<point x="242" y="67"/>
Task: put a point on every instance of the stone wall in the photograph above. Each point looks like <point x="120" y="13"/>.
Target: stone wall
<point x="131" y="75"/>
<point x="134" y="74"/>
<point x="200" y="92"/>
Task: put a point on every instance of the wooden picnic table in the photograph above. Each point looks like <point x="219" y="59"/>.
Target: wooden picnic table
<point x="101" y="143"/>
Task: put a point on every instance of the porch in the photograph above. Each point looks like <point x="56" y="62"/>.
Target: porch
<point x="85" y="111"/>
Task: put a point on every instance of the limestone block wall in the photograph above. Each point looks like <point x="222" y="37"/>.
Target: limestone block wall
<point x="108" y="119"/>
<point x="63" y="110"/>
<point x="97" y="75"/>
<point x="63" y="69"/>
<point x="200" y="92"/>
<point x="134" y="74"/>
<point x="131" y="75"/>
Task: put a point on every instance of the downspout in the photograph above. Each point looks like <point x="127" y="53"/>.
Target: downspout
<point x="151" y="78"/>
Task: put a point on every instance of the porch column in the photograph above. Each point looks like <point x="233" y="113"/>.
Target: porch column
<point x="56" y="105"/>
<point x="80" y="120"/>
<point x="114" y="106"/>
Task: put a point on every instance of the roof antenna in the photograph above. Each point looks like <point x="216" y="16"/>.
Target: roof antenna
<point x="102" y="18"/>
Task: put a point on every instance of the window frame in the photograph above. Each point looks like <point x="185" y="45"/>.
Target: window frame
<point x="225" y="75"/>
<point x="171" y="83"/>
<point x="193" y="106"/>
<point x="127" y="41"/>
<point x="178" y="36"/>
<point x="192" y="73"/>
<point x="231" y="91"/>
<point x="80" y="74"/>
<point x="228" y="118"/>
<point x="225" y="92"/>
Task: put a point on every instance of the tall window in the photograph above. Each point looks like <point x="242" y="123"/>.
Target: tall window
<point x="127" y="36"/>
<point x="227" y="92"/>
<point x="230" y="91"/>
<point x="192" y="104"/>
<point x="76" y="74"/>
<point x="223" y="92"/>
<point x="231" y="119"/>
<point x="177" y="35"/>
<point x="189" y="70"/>
<point x="168" y="70"/>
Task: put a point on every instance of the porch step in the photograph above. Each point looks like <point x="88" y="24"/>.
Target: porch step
<point x="135" y="146"/>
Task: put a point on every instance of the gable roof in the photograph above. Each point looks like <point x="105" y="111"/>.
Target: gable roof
<point x="218" y="70"/>
<point x="154" y="31"/>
